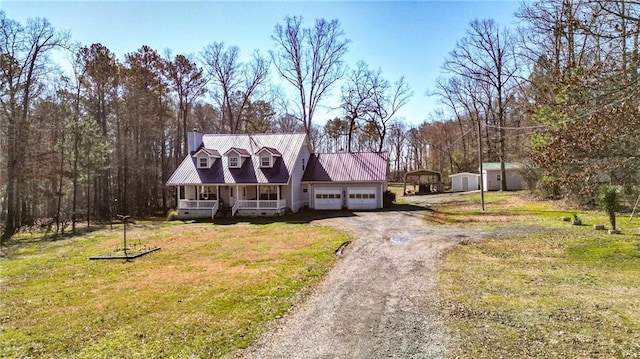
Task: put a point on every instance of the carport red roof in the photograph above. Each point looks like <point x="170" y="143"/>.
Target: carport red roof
<point x="346" y="167"/>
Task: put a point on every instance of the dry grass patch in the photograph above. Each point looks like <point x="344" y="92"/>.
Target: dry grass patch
<point x="207" y="292"/>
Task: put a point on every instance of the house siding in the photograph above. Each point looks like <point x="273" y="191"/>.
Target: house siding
<point x="297" y="172"/>
<point x="514" y="180"/>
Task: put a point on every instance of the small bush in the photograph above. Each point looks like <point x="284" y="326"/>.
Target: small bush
<point x="388" y="198"/>
<point x="172" y="215"/>
<point x="548" y="187"/>
<point x="531" y="176"/>
<point x="609" y="201"/>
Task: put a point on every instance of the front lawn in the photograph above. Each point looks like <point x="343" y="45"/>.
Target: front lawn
<point x="552" y="290"/>
<point x="207" y="292"/>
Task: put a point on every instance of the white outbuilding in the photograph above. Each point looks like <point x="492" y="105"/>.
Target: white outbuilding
<point x="465" y="181"/>
<point x="491" y="176"/>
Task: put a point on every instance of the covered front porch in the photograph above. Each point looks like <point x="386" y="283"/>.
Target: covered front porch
<point x="209" y="201"/>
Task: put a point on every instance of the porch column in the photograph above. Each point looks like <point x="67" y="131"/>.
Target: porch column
<point x="218" y="193"/>
<point x="278" y="197"/>
<point x="258" y="196"/>
<point x="177" y="196"/>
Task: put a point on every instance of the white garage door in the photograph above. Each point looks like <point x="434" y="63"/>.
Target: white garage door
<point x="362" y="198"/>
<point x="327" y="198"/>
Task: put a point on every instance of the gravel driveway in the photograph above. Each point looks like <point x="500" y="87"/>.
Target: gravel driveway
<point x="377" y="302"/>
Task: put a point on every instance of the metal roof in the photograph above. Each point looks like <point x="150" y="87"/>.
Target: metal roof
<point x="346" y="167"/>
<point x="464" y="174"/>
<point x="271" y="150"/>
<point x="494" y="166"/>
<point x="241" y="151"/>
<point x="288" y="145"/>
<point x="209" y="152"/>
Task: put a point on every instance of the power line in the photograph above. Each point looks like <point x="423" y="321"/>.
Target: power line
<point x="517" y="128"/>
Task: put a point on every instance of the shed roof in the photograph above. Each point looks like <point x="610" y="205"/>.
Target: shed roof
<point x="346" y="167"/>
<point x="464" y="174"/>
<point x="493" y="166"/>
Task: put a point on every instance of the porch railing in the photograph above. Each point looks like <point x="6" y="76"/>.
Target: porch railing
<point x="234" y="209"/>
<point x="214" y="210"/>
<point x="262" y="204"/>
<point x="195" y="204"/>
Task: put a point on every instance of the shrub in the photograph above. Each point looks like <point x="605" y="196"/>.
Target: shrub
<point x="609" y="200"/>
<point x="548" y="187"/>
<point x="388" y="198"/>
<point x="531" y="176"/>
<point x="172" y="215"/>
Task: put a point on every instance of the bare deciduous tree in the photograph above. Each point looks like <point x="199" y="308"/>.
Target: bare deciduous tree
<point x="24" y="64"/>
<point x="235" y="82"/>
<point x="310" y="59"/>
<point x="486" y="56"/>
<point x="188" y="82"/>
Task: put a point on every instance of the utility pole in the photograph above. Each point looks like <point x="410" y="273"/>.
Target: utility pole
<point x="480" y="160"/>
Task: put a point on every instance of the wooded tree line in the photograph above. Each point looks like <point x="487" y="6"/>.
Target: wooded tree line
<point x="559" y="92"/>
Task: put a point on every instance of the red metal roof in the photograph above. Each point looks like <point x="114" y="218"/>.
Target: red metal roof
<point x="346" y="167"/>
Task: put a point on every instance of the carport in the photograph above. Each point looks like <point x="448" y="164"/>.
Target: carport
<point x="428" y="181"/>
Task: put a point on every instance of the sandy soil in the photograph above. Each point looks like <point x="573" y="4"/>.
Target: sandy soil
<point x="378" y="301"/>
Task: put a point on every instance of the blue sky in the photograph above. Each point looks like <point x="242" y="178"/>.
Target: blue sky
<point x="403" y="38"/>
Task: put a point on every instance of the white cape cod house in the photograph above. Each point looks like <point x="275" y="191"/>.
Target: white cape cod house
<point x="268" y="174"/>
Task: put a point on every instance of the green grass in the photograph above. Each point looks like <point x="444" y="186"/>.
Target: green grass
<point x="563" y="292"/>
<point x="206" y="293"/>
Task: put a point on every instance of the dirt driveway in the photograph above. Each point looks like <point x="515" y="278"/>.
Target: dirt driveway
<point x="377" y="302"/>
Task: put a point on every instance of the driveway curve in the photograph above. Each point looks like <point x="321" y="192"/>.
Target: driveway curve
<point x="377" y="302"/>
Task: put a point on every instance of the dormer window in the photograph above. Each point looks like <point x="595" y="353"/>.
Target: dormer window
<point x="236" y="156"/>
<point x="205" y="157"/>
<point x="268" y="156"/>
<point x="265" y="161"/>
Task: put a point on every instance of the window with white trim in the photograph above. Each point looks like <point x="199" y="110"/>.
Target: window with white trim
<point x="265" y="161"/>
<point x="209" y="192"/>
<point x="203" y="162"/>
<point x="268" y="192"/>
<point x="234" y="162"/>
<point x="498" y="177"/>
